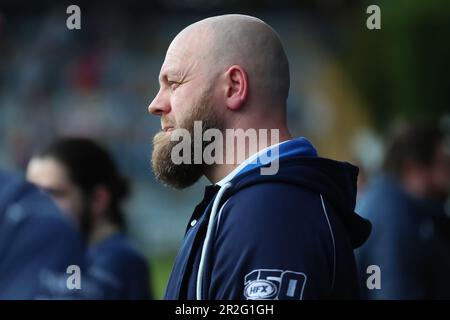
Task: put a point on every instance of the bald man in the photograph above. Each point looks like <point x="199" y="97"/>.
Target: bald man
<point x="284" y="233"/>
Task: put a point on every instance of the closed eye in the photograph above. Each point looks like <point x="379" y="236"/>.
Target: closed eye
<point x="173" y="85"/>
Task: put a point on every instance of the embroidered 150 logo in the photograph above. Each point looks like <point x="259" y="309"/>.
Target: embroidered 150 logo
<point x="273" y="284"/>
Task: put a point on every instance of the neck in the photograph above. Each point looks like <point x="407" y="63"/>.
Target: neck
<point x="217" y="172"/>
<point x="102" y="230"/>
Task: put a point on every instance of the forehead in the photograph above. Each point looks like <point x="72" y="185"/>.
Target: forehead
<point x="174" y="64"/>
<point x="185" y="51"/>
<point x="47" y="173"/>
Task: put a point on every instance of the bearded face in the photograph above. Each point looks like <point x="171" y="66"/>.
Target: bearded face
<point x="180" y="176"/>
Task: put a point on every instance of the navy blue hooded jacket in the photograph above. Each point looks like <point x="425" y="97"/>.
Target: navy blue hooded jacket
<point x="36" y="240"/>
<point x="115" y="270"/>
<point x="285" y="236"/>
<point x="410" y="243"/>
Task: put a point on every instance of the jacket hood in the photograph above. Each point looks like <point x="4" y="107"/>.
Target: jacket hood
<point x="335" y="180"/>
<point x="12" y="188"/>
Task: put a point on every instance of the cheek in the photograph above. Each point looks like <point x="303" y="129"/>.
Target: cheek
<point x="64" y="206"/>
<point x="72" y="204"/>
<point x="181" y="104"/>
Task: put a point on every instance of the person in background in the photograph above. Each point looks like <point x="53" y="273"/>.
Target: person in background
<point x="410" y="242"/>
<point x="37" y="243"/>
<point x="82" y="178"/>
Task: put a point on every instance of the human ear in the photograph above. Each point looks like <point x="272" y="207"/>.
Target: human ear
<point x="236" y="87"/>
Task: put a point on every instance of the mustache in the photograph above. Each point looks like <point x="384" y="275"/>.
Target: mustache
<point x="165" y="122"/>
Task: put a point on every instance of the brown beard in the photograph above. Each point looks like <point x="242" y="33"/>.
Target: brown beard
<point x="180" y="176"/>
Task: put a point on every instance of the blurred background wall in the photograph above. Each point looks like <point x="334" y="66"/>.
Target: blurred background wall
<point x="348" y="84"/>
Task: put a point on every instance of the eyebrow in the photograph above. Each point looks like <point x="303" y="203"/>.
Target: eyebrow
<point x="162" y="78"/>
<point x="168" y="73"/>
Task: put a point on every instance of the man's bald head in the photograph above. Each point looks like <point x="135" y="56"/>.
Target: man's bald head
<point x="227" y="40"/>
<point x="228" y="72"/>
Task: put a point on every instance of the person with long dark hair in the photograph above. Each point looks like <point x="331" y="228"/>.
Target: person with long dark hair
<point x="84" y="181"/>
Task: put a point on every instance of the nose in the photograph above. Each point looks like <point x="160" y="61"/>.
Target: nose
<point x="160" y="104"/>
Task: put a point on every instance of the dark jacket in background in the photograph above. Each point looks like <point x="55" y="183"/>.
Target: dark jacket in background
<point x="115" y="270"/>
<point x="410" y="243"/>
<point x="37" y="243"/>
